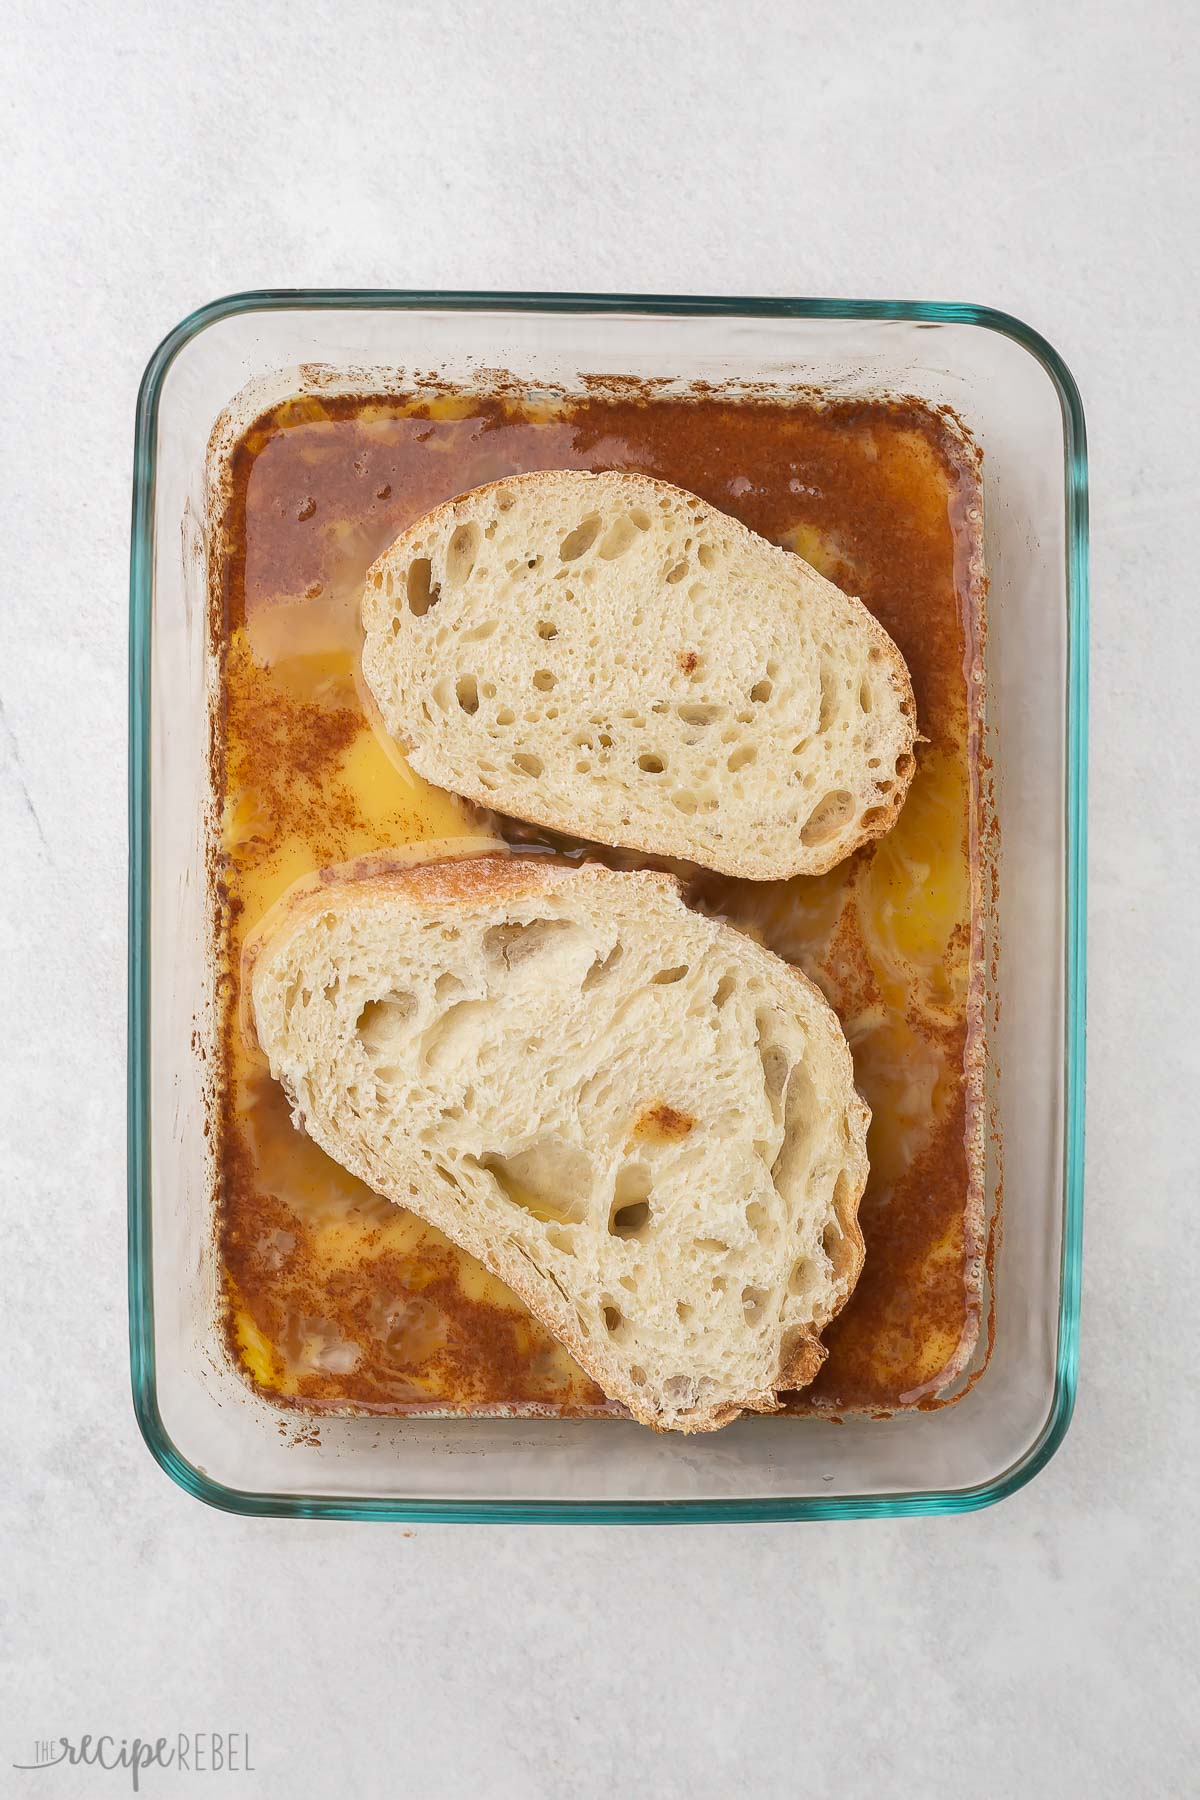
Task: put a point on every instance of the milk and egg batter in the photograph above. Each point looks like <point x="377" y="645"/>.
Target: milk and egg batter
<point x="333" y="1297"/>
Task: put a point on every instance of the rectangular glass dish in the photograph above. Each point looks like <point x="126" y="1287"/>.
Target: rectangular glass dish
<point x="208" y="1429"/>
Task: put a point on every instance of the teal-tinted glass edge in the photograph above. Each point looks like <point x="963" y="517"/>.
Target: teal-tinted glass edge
<point x="141" y="1319"/>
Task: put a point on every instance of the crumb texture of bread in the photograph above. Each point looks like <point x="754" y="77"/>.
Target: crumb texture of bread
<point x="637" y="1117"/>
<point x="612" y="657"/>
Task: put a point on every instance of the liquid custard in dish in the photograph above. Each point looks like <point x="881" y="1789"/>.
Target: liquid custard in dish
<point x="335" y="1299"/>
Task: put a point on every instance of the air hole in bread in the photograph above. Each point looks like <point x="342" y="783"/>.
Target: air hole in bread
<point x="452" y="1037"/>
<point x="555" y="1282"/>
<point x="612" y="1317"/>
<point x="544" y="680"/>
<point x="395" y="624"/>
<point x="504" y="715"/>
<point x="776" y="1065"/>
<point x="757" y="1218"/>
<point x="752" y="1303"/>
<point x="380" y="1025"/>
<point x="421" y="589"/>
<point x="651" y="764"/>
<point x="873" y="762"/>
<point x="874" y="815"/>
<point x="637" y="1375"/>
<point x="706" y="556"/>
<point x="630" y="1211"/>
<point x="675" y="572"/>
<point x="559" y="1238"/>
<point x="517" y="941"/>
<point x="447" y="987"/>
<point x="549" y="1181"/>
<point x="724" y="988"/>
<point x="461" y="552"/>
<point x="684" y="801"/>
<point x="760" y="693"/>
<point x="836" y="1245"/>
<point x="505" y="500"/>
<point x="683" y="1391"/>
<point x="466" y="690"/>
<point x="547" y="629"/>
<point x="602" y="966"/>
<point x="866" y="698"/>
<point x="875" y="654"/>
<point x="617" y="539"/>
<point x="905" y="765"/>
<point x="630" y="1221"/>
<point x="525" y="764"/>
<point x="693" y="714"/>
<point x="741" y="758"/>
<point x="479" y="633"/>
<point x="578" y="542"/>
<point x="827" y="818"/>
<point x="640" y="517"/>
<point x="829" y="699"/>
<point x="666" y="977"/>
<point x="713" y="1247"/>
<point x="801" y="1279"/>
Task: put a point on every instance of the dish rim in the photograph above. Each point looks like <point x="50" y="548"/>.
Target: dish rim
<point x="140" y="1274"/>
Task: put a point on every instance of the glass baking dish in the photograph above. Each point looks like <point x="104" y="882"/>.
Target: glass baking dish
<point x="209" y="1431"/>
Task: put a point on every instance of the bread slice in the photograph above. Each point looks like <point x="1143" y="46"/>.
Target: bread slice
<point x="611" y="657"/>
<point x="642" y="1121"/>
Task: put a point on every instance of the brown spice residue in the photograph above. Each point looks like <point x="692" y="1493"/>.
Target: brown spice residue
<point x="663" y="1122"/>
<point x="287" y="752"/>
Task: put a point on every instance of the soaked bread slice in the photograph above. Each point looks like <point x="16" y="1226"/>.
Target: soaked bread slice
<point x="637" y="1117"/>
<point x="611" y="657"/>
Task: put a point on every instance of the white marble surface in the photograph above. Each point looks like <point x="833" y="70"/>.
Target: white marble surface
<point x="1042" y="159"/>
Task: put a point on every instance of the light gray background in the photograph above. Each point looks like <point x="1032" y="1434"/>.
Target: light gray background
<point x="1040" y="158"/>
